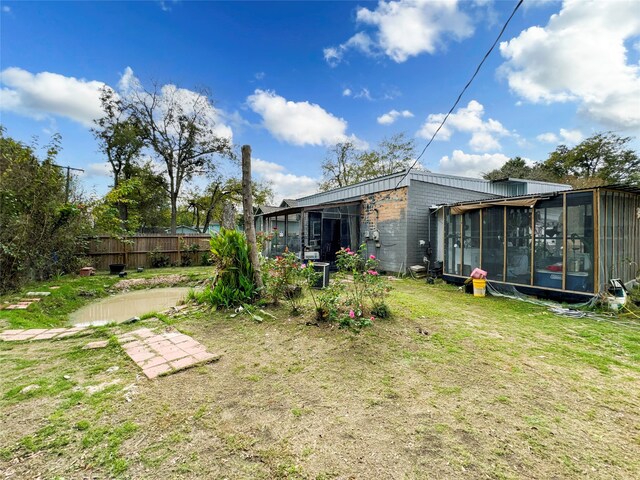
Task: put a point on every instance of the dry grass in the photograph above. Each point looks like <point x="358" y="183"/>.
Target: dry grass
<point x="496" y="389"/>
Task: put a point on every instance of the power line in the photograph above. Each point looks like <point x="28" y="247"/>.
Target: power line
<point x="486" y="55"/>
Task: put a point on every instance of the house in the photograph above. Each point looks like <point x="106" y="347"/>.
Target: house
<point x="559" y="244"/>
<point x="396" y="216"/>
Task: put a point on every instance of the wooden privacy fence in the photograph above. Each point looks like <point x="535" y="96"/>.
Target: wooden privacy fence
<point x="135" y="251"/>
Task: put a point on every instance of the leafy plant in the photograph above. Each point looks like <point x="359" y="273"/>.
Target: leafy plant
<point x="43" y="220"/>
<point x="365" y="291"/>
<point x="188" y="253"/>
<point x="158" y="259"/>
<point x="283" y="278"/>
<point x="233" y="284"/>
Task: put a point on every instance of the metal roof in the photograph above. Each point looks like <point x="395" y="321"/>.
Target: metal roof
<point x="507" y="187"/>
<point x="544" y="195"/>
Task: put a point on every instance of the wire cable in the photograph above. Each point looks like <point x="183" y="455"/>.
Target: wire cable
<point x="486" y="55"/>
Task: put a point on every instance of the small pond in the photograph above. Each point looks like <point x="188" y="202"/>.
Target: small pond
<point x="124" y="306"/>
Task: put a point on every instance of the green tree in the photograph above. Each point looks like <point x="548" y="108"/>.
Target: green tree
<point x="179" y="128"/>
<point x="603" y="158"/>
<point x="120" y="139"/>
<point x="518" y="168"/>
<point x="346" y="165"/>
<point x="206" y="204"/>
<point x="142" y="194"/>
<point x="40" y="233"/>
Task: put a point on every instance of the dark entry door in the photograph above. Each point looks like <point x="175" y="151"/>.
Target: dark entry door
<point x="330" y="239"/>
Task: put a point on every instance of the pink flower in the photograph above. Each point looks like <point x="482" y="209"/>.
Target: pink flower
<point x="372" y="272"/>
<point x="347" y="249"/>
<point x="352" y="314"/>
<point x="372" y="257"/>
<point x="372" y="318"/>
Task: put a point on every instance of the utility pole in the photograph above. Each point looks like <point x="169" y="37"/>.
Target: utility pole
<point x="66" y="190"/>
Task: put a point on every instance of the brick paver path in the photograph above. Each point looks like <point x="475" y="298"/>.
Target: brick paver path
<point x="161" y="354"/>
<point x="40" y="333"/>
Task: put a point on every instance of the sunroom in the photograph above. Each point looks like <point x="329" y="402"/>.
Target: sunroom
<point x="565" y="244"/>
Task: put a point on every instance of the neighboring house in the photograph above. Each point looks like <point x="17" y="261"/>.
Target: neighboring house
<point x="396" y="216"/>
<point x="570" y="243"/>
<point x="186" y="230"/>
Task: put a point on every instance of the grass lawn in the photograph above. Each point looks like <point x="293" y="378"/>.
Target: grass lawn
<point x="451" y="387"/>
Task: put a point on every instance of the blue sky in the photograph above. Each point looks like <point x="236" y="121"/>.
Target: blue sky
<point x="291" y="78"/>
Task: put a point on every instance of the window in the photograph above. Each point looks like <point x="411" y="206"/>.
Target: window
<point x="493" y="242"/>
<point x="452" y="244"/>
<point x="548" y="255"/>
<point x="519" y="245"/>
<point x="471" y="241"/>
<point x="579" y="242"/>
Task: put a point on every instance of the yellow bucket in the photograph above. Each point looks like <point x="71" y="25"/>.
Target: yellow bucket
<point x="479" y="287"/>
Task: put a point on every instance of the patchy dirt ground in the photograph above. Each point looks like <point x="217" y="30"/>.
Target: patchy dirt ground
<point x="159" y="281"/>
<point x="451" y="387"/>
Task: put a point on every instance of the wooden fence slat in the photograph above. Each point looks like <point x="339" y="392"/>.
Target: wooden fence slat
<point x="104" y="250"/>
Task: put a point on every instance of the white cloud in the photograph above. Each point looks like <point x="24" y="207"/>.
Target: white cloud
<point x="298" y="123"/>
<point x="6" y="9"/>
<point x="44" y="94"/>
<point x="346" y="92"/>
<point x="360" y="41"/>
<point x="391" y="116"/>
<point x="98" y="170"/>
<point x="471" y="165"/>
<point x="364" y="93"/>
<point x="580" y="56"/>
<point x="167" y="5"/>
<point x="468" y="120"/>
<point x="571" y="136"/>
<point x="548" y="137"/>
<point x="568" y="137"/>
<point x="285" y="184"/>
<point x="128" y="81"/>
<point x="405" y="28"/>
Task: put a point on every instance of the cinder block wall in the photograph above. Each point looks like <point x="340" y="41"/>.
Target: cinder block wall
<point x="420" y="197"/>
<point x="390" y="221"/>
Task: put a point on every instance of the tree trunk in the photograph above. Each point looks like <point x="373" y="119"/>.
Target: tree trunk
<point x="174" y="214"/>
<point x="247" y="206"/>
<point x="228" y="216"/>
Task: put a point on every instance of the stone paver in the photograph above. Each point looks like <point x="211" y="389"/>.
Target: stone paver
<point x="164" y="353"/>
<point x="40" y="334"/>
<point x="97" y="344"/>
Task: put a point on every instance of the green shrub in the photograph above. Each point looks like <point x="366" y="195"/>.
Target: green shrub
<point x="233" y="284"/>
<point x="283" y="279"/>
<point x="158" y="259"/>
<point x="365" y="292"/>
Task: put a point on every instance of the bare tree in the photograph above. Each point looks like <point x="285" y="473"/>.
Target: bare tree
<point x="338" y="167"/>
<point x="179" y="126"/>
<point x="345" y="165"/>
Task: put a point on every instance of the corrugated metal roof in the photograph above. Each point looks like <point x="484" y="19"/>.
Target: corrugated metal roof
<point x="544" y="195"/>
<point x="509" y="187"/>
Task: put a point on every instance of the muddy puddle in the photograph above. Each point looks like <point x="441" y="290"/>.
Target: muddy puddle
<point x="124" y="306"/>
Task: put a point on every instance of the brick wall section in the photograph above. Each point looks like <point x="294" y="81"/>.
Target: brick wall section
<point x="390" y="221"/>
<point x="421" y="196"/>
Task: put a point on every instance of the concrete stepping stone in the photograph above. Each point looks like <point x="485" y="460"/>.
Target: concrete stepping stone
<point x="38" y="294"/>
<point x="40" y="334"/>
<point x="94" y="345"/>
<point x="165" y="353"/>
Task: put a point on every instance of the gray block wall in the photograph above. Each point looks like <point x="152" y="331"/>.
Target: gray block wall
<point x="390" y="221"/>
<point x="421" y="225"/>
